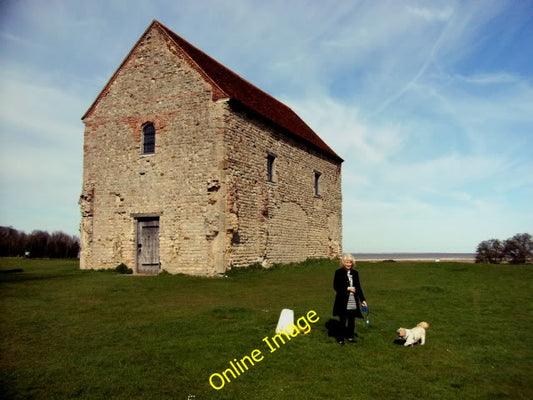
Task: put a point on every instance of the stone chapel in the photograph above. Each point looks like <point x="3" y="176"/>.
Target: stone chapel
<point x="189" y="168"/>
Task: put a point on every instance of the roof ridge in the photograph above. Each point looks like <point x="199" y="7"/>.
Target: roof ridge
<point x="181" y="43"/>
<point x="236" y="87"/>
<point x="180" y="40"/>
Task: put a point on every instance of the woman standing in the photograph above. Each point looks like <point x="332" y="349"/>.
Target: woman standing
<point x="348" y="298"/>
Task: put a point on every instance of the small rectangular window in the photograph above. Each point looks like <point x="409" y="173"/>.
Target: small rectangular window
<point x="148" y="138"/>
<point x="270" y="167"/>
<point x="317" y="181"/>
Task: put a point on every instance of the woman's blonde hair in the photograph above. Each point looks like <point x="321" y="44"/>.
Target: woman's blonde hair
<point x="347" y="256"/>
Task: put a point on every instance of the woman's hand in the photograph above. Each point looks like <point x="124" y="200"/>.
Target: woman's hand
<point x="351" y="289"/>
<point x="364" y="304"/>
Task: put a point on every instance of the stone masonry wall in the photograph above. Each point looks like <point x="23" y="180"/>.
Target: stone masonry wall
<point x="280" y="221"/>
<point x="207" y="181"/>
<point x="180" y="182"/>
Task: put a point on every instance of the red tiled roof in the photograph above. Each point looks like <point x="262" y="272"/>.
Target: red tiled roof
<point x="227" y="84"/>
<point x="237" y="88"/>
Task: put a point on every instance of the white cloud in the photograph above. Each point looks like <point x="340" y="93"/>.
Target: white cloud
<point x="431" y="14"/>
<point x="446" y="172"/>
<point x="489" y="78"/>
<point x="340" y="125"/>
<point x="434" y="143"/>
<point x="38" y="108"/>
<point x="40" y="156"/>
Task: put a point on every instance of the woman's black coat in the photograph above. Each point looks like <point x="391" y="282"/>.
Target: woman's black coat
<point x="341" y="285"/>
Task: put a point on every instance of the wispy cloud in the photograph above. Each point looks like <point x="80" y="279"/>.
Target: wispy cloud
<point x="429" y="103"/>
<point x="489" y="78"/>
<point x="431" y="14"/>
<point x="344" y="128"/>
<point x="40" y="154"/>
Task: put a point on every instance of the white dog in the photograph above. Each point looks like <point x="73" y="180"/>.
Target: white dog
<point x="412" y="336"/>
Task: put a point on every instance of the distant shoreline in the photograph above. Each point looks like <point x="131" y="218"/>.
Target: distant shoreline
<point x="437" y="257"/>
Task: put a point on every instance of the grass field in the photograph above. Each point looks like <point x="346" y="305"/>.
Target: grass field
<point x="71" y="334"/>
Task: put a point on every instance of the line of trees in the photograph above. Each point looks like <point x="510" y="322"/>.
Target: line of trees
<point x="515" y="250"/>
<point x="38" y="244"/>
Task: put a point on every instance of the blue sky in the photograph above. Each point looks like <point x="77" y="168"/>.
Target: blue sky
<point x="430" y="103"/>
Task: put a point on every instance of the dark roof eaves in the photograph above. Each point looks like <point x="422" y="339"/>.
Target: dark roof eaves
<point x="235" y="103"/>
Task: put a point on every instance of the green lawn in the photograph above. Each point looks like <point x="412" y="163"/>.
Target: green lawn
<point x="66" y="333"/>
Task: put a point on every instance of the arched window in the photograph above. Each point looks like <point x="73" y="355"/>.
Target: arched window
<point x="317" y="182"/>
<point x="270" y="167"/>
<point x="148" y="138"/>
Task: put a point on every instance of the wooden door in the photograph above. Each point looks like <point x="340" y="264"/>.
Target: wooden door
<point x="148" y="245"/>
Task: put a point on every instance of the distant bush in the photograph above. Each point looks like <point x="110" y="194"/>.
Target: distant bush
<point x="490" y="252"/>
<point x="515" y="250"/>
<point x="518" y="249"/>
<point x="123" y="269"/>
